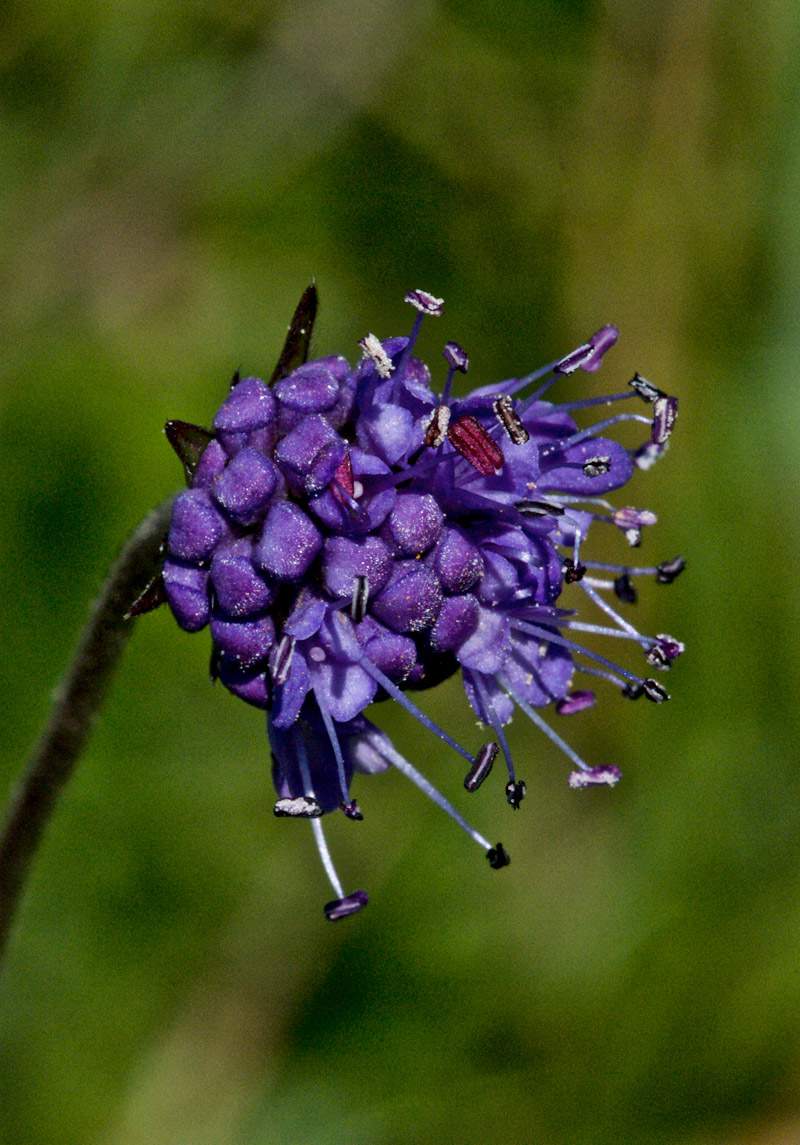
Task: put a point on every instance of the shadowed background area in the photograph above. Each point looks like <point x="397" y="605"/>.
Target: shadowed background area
<point x="173" y="175"/>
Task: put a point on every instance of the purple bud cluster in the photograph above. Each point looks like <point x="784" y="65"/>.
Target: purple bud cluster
<point x="349" y="534"/>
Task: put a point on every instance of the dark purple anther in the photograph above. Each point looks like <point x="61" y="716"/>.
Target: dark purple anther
<point x="300" y="807"/>
<point x="664" y="651"/>
<point x="516" y="790"/>
<point x="646" y="390"/>
<point x="456" y="357"/>
<point x="589" y="357"/>
<point x="539" y="509"/>
<point x="665" y="411"/>
<point x="596" y="466"/>
<point x="498" y="857"/>
<point x="481" y="767"/>
<point x="577" y="701"/>
<point x="352" y="810"/>
<point x="654" y="691"/>
<point x="280" y="660"/>
<point x="625" y="589"/>
<point x="572" y="572"/>
<point x="510" y="420"/>
<point x="473" y="442"/>
<point x="668" y="570"/>
<point x="358" y="605"/>
<point x="437" y="427"/>
<point x="425" y="303"/>
<point x="342" y="908"/>
<point x="595" y="777"/>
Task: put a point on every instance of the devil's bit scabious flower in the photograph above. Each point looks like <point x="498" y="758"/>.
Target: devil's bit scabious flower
<point x="350" y="535"/>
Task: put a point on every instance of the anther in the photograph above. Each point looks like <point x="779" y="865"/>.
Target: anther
<point x="481" y="767"/>
<point x="426" y="303"/>
<point x="516" y="790"/>
<point x="654" y="691"/>
<point x="589" y="357"/>
<point x="665" y="411"/>
<point x="633" y="690"/>
<point x="358" y="606"/>
<point x="596" y="466"/>
<point x="595" y="777"/>
<point x="577" y="701"/>
<point x="280" y="660"/>
<point x="572" y="572"/>
<point x="539" y="509"/>
<point x="456" y="357"/>
<point x="299" y="808"/>
<point x="473" y="442"/>
<point x="625" y="590"/>
<point x="352" y="810"/>
<point x="377" y="355"/>
<point x="437" y="426"/>
<point x="647" y="455"/>
<point x="668" y="570"/>
<point x="664" y="651"/>
<point x="646" y="390"/>
<point x="342" y="908"/>
<point x="498" y="857"/>
<point x="510" y="420"/>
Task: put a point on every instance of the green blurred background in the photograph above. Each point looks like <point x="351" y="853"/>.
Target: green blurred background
<point x="173" y="174"/>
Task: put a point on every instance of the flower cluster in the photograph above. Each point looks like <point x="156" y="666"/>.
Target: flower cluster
<point x="350" y="535"/>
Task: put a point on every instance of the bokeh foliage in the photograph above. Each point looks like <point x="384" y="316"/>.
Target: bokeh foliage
<point x="173" y="174"/>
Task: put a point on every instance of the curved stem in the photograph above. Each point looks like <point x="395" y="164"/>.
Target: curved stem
<point x="76" y="703"/>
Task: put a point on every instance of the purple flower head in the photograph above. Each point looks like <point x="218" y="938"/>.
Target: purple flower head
<point x="351" y="535"/>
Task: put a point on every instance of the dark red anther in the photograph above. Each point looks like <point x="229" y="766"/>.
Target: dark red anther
<point x="343" y="480"/>
<point x="473" y="442"/>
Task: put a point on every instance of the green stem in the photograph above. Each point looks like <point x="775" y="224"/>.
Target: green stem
<point x="76" y="703"/>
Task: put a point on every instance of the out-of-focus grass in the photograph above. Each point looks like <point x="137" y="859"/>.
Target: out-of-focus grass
<point x="173" y="176"/>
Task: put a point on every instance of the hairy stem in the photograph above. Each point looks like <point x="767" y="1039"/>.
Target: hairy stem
<point x="76" y="703"/>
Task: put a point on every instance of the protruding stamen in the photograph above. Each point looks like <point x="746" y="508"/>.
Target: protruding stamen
<point x="330" y="728"/>
<point x="300" y="807"/>
<point x="632" y="521"/>
<point x="647" y="455"/>
<point x="654" y="691"/>
<point x="473" y="442"/>
<point x="510" y="420"/>
<point x="539" y="509"/>
<point x="404" y="702"/>
<point x="633" y="690"/>
<point x="624" y="589"/>
<point x="668" y="570"/>
<point x="572" y="572"/>
<point x="577" y="701"/>
<point x="437" y="426"/>
<point x="665" y="411"/>
<point x="498" y="857"/>
<point x="344" y="907"/>
<point x="426" y="303"/>
<point x="606" y="776"/>
<point x="377" y="355"/>
<point x="516" y="790"/>
<point x="358" y="606"/>
<point x="596" y="466"/>
<point x="280" y="659"/>
<point x="352" y="810"/>
<point x="481" y="767"/>
<point x="646" y="390"/>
